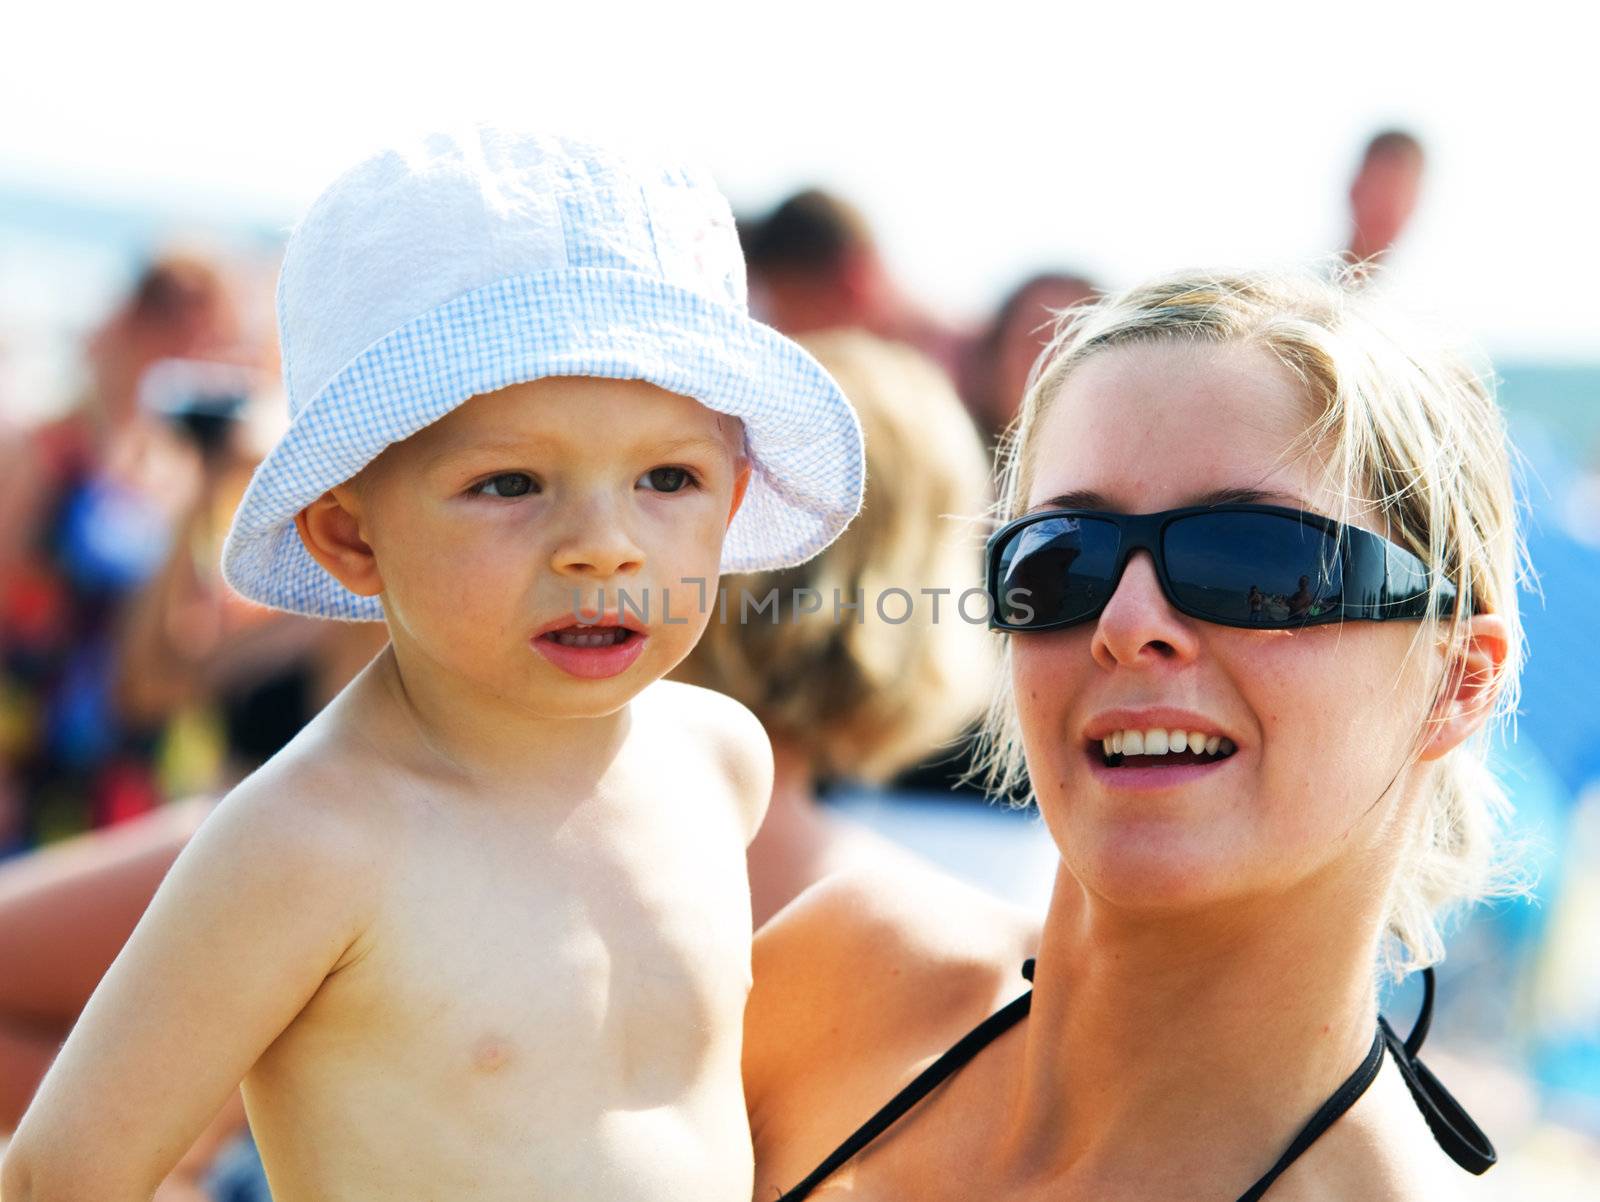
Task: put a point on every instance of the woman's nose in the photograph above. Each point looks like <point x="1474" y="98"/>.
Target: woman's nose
<point x="1138" y="625"/>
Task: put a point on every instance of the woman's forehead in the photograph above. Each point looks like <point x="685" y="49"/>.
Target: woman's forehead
<point x="1157" y="425"/>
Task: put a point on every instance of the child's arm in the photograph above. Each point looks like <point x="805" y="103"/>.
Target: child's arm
<point x="269" y="898"/>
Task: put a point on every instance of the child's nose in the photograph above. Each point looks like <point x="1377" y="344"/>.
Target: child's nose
<point x="599" y="546"/>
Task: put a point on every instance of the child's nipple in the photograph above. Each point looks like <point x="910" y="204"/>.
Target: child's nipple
<point x="491" y="1054"/>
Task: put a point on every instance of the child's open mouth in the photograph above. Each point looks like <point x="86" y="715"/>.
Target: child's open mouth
<point x="598" y="636"/>
<point x="591" y="652"/>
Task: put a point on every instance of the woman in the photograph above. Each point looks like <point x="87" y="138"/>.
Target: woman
<point x="1252" y="810"/>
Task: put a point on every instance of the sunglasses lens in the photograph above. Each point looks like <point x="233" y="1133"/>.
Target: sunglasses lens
<point x="1055" y="570"/>
<point x="1253" y="568"/>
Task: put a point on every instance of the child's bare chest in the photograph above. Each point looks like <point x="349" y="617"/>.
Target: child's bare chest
<point x="609" y="950"/>
<point x="561" y="999"/>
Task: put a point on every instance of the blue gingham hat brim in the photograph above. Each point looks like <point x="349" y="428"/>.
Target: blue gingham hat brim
<point x="802" y="435"/>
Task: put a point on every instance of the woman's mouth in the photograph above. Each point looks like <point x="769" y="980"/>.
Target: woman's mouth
<point x="1158" y="748"/>
<point x="591" y="652"/>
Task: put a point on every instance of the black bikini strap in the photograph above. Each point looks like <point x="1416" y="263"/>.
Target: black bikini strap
<point x="1461" y="1138"/>
<point x="921" y="1086"/>
<point x="1457" y="1134"/>
<point x="1341" y="1100"/>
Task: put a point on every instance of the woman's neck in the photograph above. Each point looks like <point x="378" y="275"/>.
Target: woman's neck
<point x="1176" y="1059"/>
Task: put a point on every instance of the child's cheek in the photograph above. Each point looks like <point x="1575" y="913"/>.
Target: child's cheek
<point x="460" y="578"/>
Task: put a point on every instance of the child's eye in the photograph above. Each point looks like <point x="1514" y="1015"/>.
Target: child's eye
<point x="507" y="484"/>
<point x="668" y="479"/>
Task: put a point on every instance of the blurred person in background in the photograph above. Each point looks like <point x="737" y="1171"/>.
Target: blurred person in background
<point x="995" y="373"/>
<point x="1384" y="194"/>
<point x="127" y="673"/>
<point x="814" y="264"/>
<point x="844" y="700"/>
<point x="247" y="677"/>
<point x="92" y="500"/>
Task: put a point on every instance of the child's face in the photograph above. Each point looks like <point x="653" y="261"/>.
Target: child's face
<point x="490" y="527"/>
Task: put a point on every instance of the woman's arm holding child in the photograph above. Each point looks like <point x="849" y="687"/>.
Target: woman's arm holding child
<point x="263" y="905"/>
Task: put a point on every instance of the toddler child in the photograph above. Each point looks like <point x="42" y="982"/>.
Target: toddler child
<point x="482" y="930"/>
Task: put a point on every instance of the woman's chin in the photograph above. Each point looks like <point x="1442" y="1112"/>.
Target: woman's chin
<point x="1158" y="869"/>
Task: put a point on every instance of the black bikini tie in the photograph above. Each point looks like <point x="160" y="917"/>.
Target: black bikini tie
<point x="1461" y="1138"/>
<point x="1452" y="1127"/>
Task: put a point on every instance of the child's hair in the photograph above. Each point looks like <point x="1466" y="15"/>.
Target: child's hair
<point x="865" y="699"/>
<point x="1408" y="433"/>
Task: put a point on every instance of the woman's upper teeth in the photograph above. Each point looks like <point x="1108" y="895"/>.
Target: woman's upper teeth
<point x="1157" y="741"/>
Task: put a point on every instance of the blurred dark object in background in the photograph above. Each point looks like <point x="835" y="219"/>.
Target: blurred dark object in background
<point x="997" y="367"/>
<point x="814" y="264"/>
<point x="206" y="401"/>
<point x="1384" y="193"/>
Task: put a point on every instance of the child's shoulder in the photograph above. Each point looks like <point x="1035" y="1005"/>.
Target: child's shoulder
<point x="297" y="834"/>
<point x="702" y="710"/>
<point x="731" y="735"/>
<point x="315" y="807"/>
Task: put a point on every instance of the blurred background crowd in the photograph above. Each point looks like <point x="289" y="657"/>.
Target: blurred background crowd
<point x="138" y="387"/>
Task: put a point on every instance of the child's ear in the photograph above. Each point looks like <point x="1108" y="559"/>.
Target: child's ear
<point x="1470" y="686"/>
<point x="741" y="481"/>
<point x="330" y="527"/>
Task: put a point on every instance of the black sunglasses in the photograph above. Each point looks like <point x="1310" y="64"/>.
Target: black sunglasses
<point x="1256" y="566"/>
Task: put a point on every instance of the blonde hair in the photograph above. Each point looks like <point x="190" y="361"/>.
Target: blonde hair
<point x="866" y="699"/>
<point x="1410" y="435"/>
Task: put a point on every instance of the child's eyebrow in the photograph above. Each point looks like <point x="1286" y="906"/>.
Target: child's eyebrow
<point x="696" y="442"/>
<point x="461" y="450"/>
<point x="512" y="448"/>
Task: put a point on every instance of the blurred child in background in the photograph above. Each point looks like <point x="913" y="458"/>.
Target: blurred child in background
<point x="849" y="700"/>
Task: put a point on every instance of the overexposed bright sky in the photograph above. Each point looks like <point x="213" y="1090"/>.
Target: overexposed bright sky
<point x="983" y="140"/>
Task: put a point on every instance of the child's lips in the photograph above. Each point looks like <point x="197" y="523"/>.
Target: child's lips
<point x="576" y="648"/>
<point x="585" y="620"/>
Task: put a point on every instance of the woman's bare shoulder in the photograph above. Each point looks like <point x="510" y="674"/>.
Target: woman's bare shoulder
<point x="867" y="975"/>
<point x="905" y="917"/>
<point x="1383" y="1150"/>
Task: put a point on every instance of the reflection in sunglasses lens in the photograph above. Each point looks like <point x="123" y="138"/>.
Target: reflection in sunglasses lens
<point x="1056" y="570"/>
<point x="1253" y="569"/>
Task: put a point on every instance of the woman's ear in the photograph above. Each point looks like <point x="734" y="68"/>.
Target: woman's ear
<point x="1471" y="685"/>
<point x="330" y="527"/>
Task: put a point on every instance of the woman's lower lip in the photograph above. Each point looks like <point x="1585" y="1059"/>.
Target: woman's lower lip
<point x="591" y="663"/>
<point x="1135" y="778"/>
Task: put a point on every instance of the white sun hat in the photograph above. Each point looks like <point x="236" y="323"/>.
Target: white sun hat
<point x="469" y="261"/>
